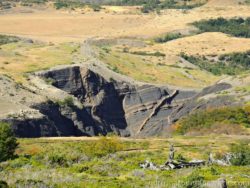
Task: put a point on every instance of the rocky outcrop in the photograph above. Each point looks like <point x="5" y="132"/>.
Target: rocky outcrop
<point x="111" y="105"/>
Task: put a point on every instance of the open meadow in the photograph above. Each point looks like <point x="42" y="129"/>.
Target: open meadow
<point x="114" y="162"/>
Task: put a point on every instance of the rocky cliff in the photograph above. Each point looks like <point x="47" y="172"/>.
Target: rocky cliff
<point x="111" y="106"/>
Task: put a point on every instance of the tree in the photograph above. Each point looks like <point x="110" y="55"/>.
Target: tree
<point x="8" y="142"/>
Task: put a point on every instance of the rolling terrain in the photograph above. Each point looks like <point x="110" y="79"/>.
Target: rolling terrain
<point x="61" y="51"/>
<point x="142" y="75"/>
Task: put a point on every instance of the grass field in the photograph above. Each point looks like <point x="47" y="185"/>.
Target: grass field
<point x="61" y="26"/>
<point x="155" y="68"/>
<point x="68" y="162"/>
<point x="18" y="59"/>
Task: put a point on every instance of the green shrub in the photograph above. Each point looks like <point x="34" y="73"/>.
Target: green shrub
<point x="5" y="39"/>
<point x="206" y="118"/>
<point x="59" y="4"/>
<point x="57" y="159"/>
<point x="241" y="154"/>
<point x="230" y="64"/>
<point x="19" y="162"/>
<point x="238" y="27"/>
<point x="95" y="7"/>
<point x="31" y="183"/>
<point x="3" y="184"/>
<point x="8" y="142"/>
<point x="192" y="181"/>
<point x="168" y="37"/>
<point x="68" y="101"/>
<point x="104" y="146"/>
<point x="180" y="158"/>
<point x="214" y="171"/>
<point x="80" y="168"/>
<point x="157" y="54"/>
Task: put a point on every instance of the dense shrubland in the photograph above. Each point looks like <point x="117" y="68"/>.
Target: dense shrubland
<point x="230" y="64"/>
<point x="152" y="5"/>
<point x="238" y="27"/>
<point x="205" y="119"/>
<point x="147" y="5"/>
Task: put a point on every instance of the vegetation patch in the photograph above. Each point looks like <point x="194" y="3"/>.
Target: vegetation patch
<point x="237" y="27"/>
<point x="168" y="37"/>
<point x="151" y="67"/>
<point x="22" y="57"/>
<point x="59" y="4"/>
<point x="230" y="116"/>
<point x="157" y="54"/>
<point x="68" y="101"/>
<point x="66" y="162"/>
<point x="230" y="64"/>
<point x="5" y="39"/>
<point x="147" y="5"/>
<point x="8" y="142"/>
<point x="241" y="154"/>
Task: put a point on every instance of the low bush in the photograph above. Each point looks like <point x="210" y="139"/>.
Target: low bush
<point x="8" y="142"/>
<point x="241" y="154"/>
<point x="57" y="160"/>
<point x="68" y="101"/>
<point x="104" y="146"/>
<point x="168" y="37"/>
<point x="233" y="116"/>
<point x="192" y="181"/>
<point x="180" y="158"/>
<point x="230" y="64"/>
<point x="31" y="183"/>
<point x="157" y="54"/>
<point x="238" y="27"/>
<point x="59" y="4"/>
<point x="3" y="184"/>
<point x="5" y="39"/>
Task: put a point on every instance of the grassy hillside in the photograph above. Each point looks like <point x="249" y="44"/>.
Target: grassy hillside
<point x="151" y="67"/>
<point x="230" y="64"/>
<point x="24" y="56"/>
<point x="111" y="162"/>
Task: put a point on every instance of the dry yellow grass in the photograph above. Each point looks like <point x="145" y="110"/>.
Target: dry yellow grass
<point x="224" y="2"/>
<point x="61" y="26"/>
<point x="205" y="44"/>
<point x="113" y="22"/>
<point x="160" y="70"/>
<point x="17" y="59"/>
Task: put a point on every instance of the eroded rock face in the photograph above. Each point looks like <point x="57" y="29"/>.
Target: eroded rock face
<point x="110" y="106"/>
